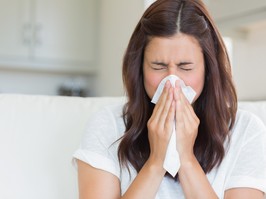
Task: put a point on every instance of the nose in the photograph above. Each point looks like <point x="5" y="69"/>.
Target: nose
<point x="173" y="70"/>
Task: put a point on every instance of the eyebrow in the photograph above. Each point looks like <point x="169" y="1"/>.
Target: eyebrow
<point x="184" y="63"/>
<point x="160" y="63"/>
<point x="179" y="64"/>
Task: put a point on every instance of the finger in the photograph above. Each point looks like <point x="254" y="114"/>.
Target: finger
<point x="163" y="95"/>
<point x="160" y="104"/>
<point x="193" y="115"/>
<point x="188" y="114"/>
<point x="167" y="107"/>
<point x="190" y="118"/>
<point x="187" y="118"/>
<point x="169" y="121"/>
<point x="186" y="102"/>
<point x="176" y="91"/>
<point x="179" y="110"/>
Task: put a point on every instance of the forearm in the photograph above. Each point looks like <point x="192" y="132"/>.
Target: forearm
<point x="194" y="181"/>
<point x="147" y="182"/>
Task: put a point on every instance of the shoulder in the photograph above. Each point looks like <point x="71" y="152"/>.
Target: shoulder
<point x="248" y="125"/>
<point x="99" y="145"/>
<point x="246" y="155"/>
<point x="108" y="112"/>
<point x="103" y="129"/>
<point x="246" y="119"/>
<point x="107" y="121"/>
<point x="111" y="113"/>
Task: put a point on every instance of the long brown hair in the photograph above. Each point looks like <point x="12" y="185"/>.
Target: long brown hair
<point x="216" y="106"/>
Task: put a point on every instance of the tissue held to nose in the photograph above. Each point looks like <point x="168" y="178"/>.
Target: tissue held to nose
<point x="187" y="90"/>
<point x="172" y="161"/>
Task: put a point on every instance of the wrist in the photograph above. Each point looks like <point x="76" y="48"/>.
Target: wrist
<point x="155" y="166"/>
<point x="188" y="160"/>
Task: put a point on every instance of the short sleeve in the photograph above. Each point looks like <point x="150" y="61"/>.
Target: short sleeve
<point x="250" y="167"/>
<point x="98" y="147"/>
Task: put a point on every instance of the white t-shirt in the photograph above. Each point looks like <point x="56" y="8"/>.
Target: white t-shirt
<point x="244" y="164"/>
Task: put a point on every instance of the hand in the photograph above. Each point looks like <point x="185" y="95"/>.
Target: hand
<point x="160" y="125"/>
<point x="187" y="124"/>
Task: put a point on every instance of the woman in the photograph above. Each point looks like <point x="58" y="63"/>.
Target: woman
<point x="222" y="150"/>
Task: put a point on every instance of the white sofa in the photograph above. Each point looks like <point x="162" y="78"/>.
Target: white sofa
<point x="38" y="135"/>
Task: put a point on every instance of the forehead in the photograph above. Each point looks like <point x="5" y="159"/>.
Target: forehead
<point x="181" y="45"/>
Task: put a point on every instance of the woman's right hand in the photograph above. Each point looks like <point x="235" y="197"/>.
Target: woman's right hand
<point x="160" y="125"/>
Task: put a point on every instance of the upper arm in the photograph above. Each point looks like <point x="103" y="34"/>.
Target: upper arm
<point x="96" y="183"/>
<point x="243" y="193"/>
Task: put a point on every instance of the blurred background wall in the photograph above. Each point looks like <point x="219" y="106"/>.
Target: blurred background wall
<point x="53" y="47"/>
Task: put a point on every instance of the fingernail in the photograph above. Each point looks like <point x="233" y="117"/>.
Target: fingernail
<point x="175" y="93"/>
<point x="177" y="84"/>
<point x="178" y="93"/>
<point x="167" y="85"/>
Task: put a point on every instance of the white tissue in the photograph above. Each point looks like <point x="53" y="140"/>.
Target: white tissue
<point x="172" y="161"/>
<point x="187" y="90"/>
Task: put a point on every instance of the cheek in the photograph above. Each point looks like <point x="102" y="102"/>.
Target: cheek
<point x="151" y="83"/>
<point x="197" y="83"/>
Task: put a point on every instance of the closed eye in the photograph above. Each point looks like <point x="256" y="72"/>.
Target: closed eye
<point x="187" y="66"/>
<point x="159" y="65"/>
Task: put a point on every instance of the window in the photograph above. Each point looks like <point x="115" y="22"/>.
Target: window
<point x="147" y="3"/>
<point x="229" y="46"/>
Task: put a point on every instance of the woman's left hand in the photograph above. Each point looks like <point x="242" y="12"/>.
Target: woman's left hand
<point x="187" y="124"/>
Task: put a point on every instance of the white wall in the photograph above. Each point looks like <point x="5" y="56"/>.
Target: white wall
<point x="117" y="21"/>
<point x="249" y="64"/>
<point x="41" y="83"/>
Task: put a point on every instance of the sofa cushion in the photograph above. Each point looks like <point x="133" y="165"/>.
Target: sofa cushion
<point x="38" y="137"/>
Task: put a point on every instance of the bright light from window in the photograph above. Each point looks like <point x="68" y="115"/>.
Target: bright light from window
<point x="147" y="3"/>
<point x="229" y="46"/>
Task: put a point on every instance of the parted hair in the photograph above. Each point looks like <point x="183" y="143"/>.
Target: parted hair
<point x="216" y="106"/>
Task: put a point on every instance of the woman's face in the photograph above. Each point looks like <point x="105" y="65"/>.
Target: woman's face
<point x="179" y="55"/>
